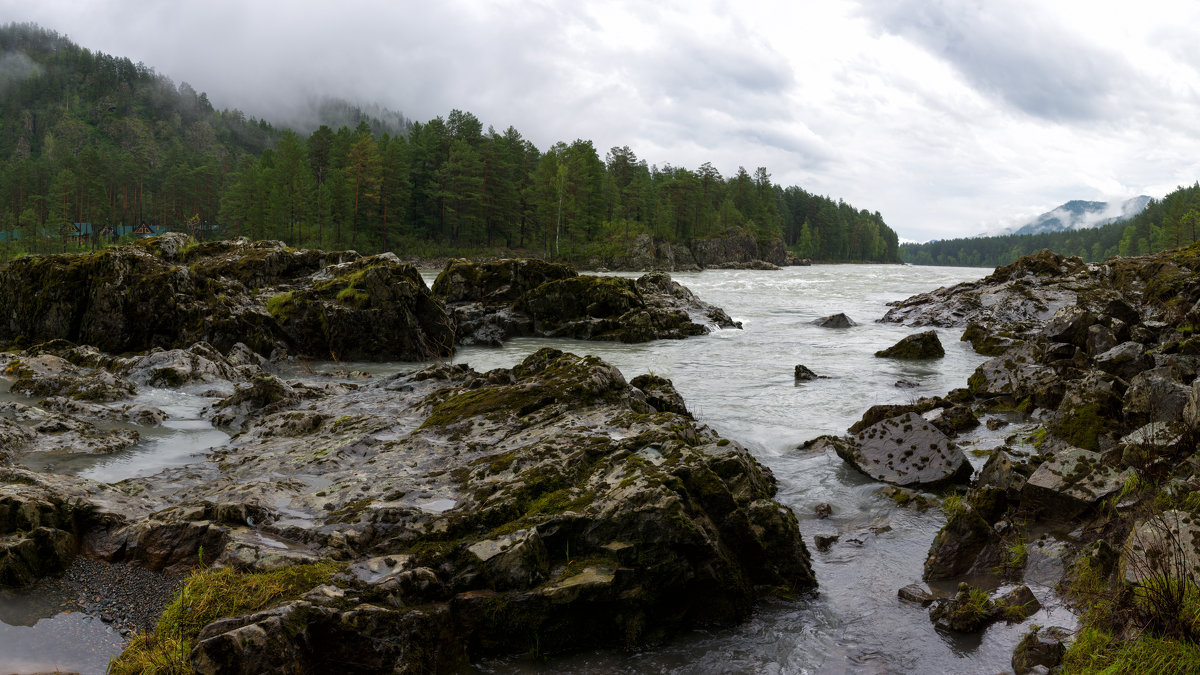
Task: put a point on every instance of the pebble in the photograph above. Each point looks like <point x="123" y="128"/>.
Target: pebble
<point x="128" y="599"/>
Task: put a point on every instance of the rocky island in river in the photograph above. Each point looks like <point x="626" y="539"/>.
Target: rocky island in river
<point x="420" y="520"/>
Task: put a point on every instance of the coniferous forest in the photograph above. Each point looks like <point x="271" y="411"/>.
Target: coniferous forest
<point x="93" y="146"/>
<point x="1170" y="222"/>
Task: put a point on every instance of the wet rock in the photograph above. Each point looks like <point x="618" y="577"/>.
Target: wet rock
<point x="1125" y="360"/>
<point x="42" y="430"/>
<point x="615" y="308"/>
<point x="1006" y="470"/>
<point x="48" y="375"/>
<point x="1041" y="647"/>
<point x="262" y="395"/>
<point x="907" y="498"/>
<point x="835" y="321"/>
<point x="1070" y="482"/>
<point x="501" y="282"/>
<point x="952" y="420"/>
<point x="28" y="556"/>
<point x="1070" y="325"/>
<point x="1018" y="375"/>
<point x="540" y="500"/>
<point x="907" y="451"/>
<point x="984" y="341"/>
<point x="1156" y="395"/>
<point x="492" y="302"/>
<point x="734" y="246"/>
<point x="1022" y="296"/>
<point x="824" y="542"/>
<point x="199" y="363"/>
<point x="916" y="594"/>
<point x="370" y="309"/>
<point x="133" y="413"/>
<point x="1100" y="339"/>
<point x="823" y="510"/>
<point x="920" y="346"/>
<point x="970" y="610"/>
<point x="803" y="374"/>
<point x="660" y="394"/>
<point x="326" y="638"/>
<point x="959" y="546"/>
<point x="1017" y="604"/>
<point x="518" y="560"/>
<point x="1163" y="545"/>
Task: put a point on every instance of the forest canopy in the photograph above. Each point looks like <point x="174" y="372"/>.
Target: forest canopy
<point x="88" y="138"/>
<point x="1165" y="223"/>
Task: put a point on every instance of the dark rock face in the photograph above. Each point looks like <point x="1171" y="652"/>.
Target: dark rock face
<point x="920" y="346"/>
<point x="906" y="451"/>
<point x="369" y="309"/>
<point x="159" y="293"/>
<point x="520" y="297"/>
<point x="835" y="321"/>
<point x="803" y="374"/>
<point x="1041" y="647"/>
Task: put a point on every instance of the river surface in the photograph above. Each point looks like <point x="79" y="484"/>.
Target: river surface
<point x="741" y="383"/>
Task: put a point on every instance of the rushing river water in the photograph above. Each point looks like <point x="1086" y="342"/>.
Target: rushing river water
<point x="741" y="383"/>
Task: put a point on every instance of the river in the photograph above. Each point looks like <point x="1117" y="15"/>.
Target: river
<point x="741" y="383"/>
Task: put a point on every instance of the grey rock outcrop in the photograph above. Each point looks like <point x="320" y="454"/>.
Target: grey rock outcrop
<point x="906" y="451"/>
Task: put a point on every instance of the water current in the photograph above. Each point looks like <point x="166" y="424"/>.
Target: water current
<point x="741" y="383"/>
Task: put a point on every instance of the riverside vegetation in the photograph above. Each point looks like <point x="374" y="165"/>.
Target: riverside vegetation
<point x="96" y="140"/>
<point x="414" y="522"/>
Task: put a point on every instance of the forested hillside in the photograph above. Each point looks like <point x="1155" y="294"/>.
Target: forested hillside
<point x="1165" y="223"/>
<point x="91" y="138"/>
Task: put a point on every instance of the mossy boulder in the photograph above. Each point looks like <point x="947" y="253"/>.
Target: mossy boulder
<point x="924" y="345"/>
<point x="373" y="309"/>
<point x="492" y="302"/>
<point x="496" y="282"/>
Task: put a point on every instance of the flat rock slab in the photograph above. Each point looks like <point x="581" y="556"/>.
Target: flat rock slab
<point x="1072" y="481"/>
<point x="905" y="450"/>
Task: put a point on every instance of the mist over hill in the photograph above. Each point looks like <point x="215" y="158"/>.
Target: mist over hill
<point x="1078" y="214"/>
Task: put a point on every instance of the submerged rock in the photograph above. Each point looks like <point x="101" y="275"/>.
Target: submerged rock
<point x="803" y="374"/>
<point x="835" y="321"/>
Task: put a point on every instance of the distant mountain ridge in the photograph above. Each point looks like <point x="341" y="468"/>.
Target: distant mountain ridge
<point x="1078" y="214"/>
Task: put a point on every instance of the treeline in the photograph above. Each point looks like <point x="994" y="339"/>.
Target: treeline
<point x="1165" y="223"/>
<point x="93" y="138"/>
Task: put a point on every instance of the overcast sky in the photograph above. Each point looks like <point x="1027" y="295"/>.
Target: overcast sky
<point x="950" y="118"/>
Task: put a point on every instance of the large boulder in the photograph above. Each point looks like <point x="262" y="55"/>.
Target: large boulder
<point x="553" y="501"/>
<point x="500" y="282"/>
<point x="370" y="309"/>
<point x="906" y="450"/>
<point x="1070" y="482"/>
<point x="492" y="302"/>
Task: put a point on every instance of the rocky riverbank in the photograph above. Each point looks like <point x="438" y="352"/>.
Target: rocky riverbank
<point x="1093" y="490"/>
<point x="553" y="506"/>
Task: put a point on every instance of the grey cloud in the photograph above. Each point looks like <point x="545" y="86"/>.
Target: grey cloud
<point x="1006" y="50"/>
